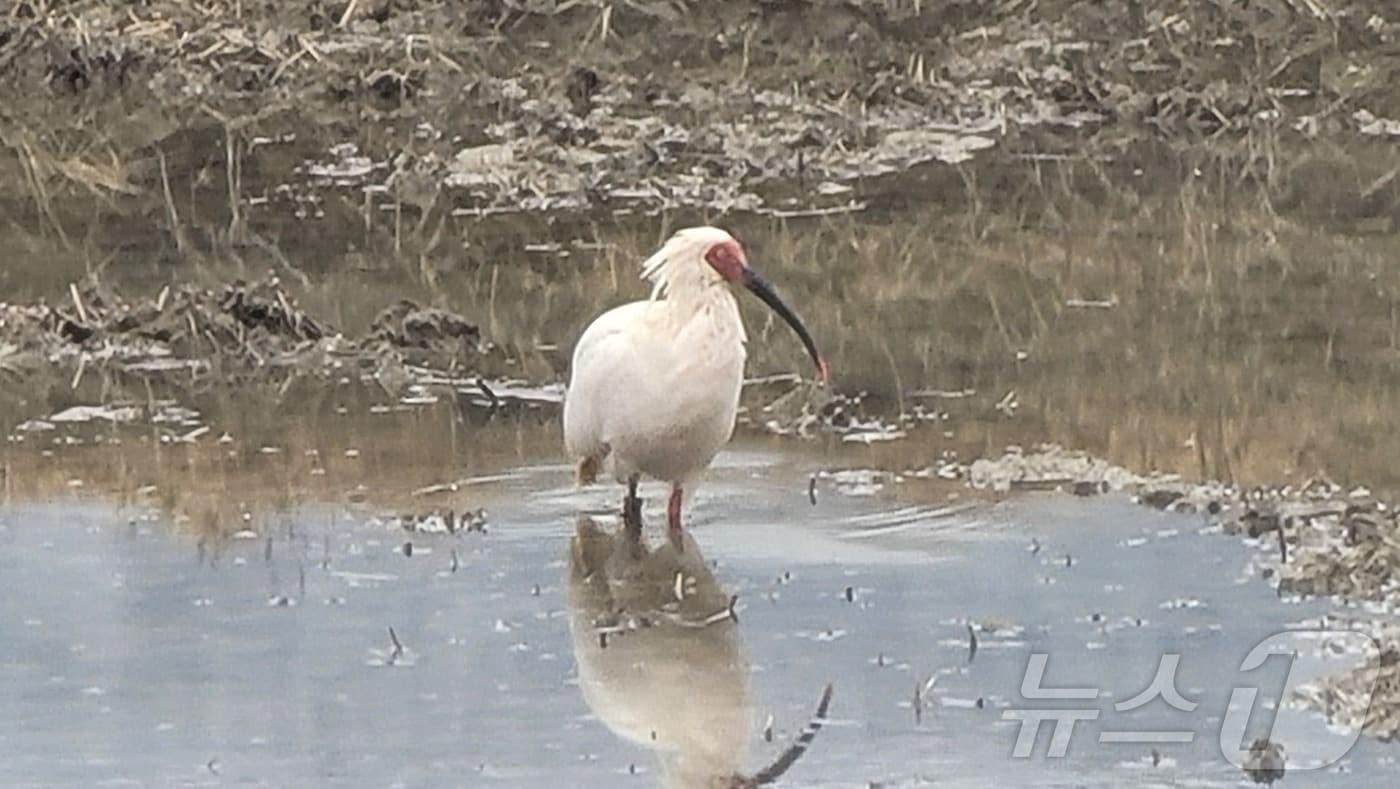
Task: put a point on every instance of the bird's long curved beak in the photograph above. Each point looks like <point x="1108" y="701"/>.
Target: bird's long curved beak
<point x="760" y="288"/>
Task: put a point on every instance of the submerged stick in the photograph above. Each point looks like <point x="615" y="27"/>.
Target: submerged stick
<point x="398" y="647"/>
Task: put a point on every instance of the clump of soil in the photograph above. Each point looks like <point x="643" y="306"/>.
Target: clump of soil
<point x="242" y="320"/>
<point x="422" y="333"/>
<point x="1047" y="467"/>
<point x="240" y="325"/>
<point x="1367" y="699"/>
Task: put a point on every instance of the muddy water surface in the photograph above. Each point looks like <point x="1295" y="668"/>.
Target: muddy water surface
<point x="137" y="652"/>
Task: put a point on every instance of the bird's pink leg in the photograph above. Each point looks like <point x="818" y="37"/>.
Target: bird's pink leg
<point x="673" y="518"/>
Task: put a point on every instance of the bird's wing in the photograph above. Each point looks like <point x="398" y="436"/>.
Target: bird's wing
<point x="606" y="358"/>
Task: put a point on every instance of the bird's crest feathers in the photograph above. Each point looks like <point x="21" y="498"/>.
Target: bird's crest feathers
<point x="681" y="260"/>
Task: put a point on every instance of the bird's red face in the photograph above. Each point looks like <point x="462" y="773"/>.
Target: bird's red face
<point x="727" y="258"/>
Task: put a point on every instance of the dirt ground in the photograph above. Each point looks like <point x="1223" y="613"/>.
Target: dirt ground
<point x="567" y="105"/>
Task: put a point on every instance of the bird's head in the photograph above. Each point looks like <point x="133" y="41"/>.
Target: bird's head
<point x="697" y="258"/>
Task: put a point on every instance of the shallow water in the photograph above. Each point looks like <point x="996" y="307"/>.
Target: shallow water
<point x="134" y="656"/>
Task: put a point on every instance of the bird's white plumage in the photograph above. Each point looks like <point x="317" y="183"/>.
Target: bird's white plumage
<point x="655" y="384"/>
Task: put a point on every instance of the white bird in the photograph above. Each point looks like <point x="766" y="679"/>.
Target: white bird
<point x="655" y="384"/>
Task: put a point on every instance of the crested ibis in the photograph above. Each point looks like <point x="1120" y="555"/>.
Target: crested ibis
<point x="654" y="386"/>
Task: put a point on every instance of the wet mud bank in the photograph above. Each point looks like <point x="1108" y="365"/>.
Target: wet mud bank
<point x="237" y="331"/>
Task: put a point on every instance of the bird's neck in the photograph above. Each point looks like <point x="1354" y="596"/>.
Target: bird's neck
<point x="711" y="304"/>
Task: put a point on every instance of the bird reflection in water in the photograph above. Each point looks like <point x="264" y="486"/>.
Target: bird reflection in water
<point x="659" y="657"/>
